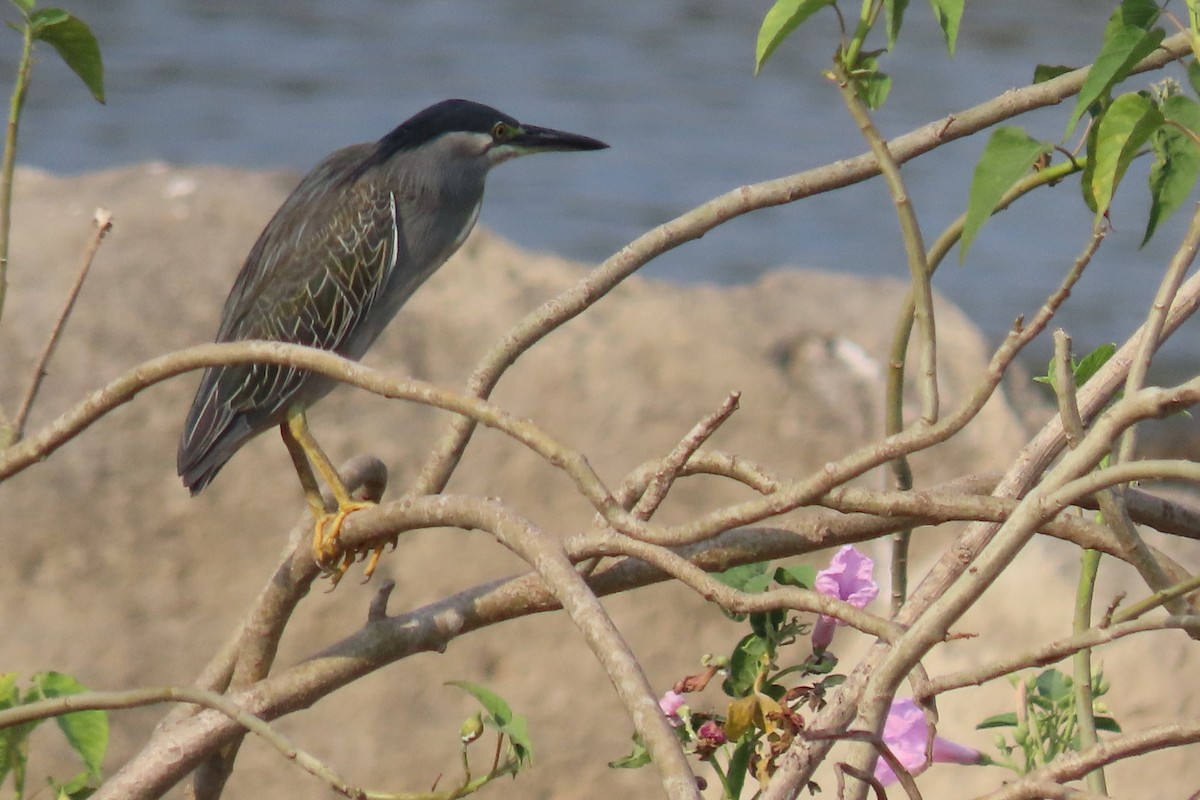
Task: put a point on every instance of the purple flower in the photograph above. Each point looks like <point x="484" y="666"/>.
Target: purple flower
<point x="905" y="733"/>
<point x="670" y="704"/>
<point x="848" y="577"/>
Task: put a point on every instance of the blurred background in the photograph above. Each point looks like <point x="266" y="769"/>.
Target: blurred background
<point x="669" y="84"/>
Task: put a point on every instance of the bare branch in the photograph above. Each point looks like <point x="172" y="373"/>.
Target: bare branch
<point x="742" y="200"/>
<point x="1073" y="766"/>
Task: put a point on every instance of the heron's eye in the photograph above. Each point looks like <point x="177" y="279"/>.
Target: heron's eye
<point x="500" y="131"/>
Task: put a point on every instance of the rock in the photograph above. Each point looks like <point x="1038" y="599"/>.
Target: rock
<point x="113" y="574"/>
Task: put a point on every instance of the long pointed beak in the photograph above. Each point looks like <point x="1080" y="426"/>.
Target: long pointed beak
<point x="545" y="140"/>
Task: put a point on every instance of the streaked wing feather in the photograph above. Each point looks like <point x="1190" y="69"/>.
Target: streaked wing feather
<point x="311" y="278"/>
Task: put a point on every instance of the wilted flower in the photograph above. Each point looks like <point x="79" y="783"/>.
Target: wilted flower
<point x="711" y="731"/>
<point x="848" y="577"/>
<point x="709" y="737"/>
<point x="670" y="703"/>
<point x="905" y="733"/>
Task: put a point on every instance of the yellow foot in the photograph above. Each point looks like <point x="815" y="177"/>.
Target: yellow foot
<point x="327" y="550"/>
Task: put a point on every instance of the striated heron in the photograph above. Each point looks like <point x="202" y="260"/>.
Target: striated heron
<point x="346" y="249"/>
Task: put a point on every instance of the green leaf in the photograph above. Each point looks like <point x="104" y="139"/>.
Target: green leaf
<point x="1176" y="161"/>
<point x="783" y="18"/>
<point x="1128" y="39"/>
<point x="1107" y="724"/>
<point x="1009" y="155"/>
<point x="86" y="731"/>
<point x="492" y="703"/>
<point x="766" y="624"/>
<point x="502" y="718"/>
<point x="78" y="788"/>
<point x="1054" y="686"/>
<point x="948" y="14"/>
<point x="1182" y="111"/>
<point x="1088" y="175"/>
<point x="893" y="15"/>
<point x="871" y="85"/>
<point x="44" y="17"/>
<point x="1047" y="72"/>
<point x="518" y="734"/>
<point x="1126" y="126"/>
<point x="75" y="43"/>
<point x="750" y="578"/>
<point x="1092" y="363"/>
<point x="739" y="764"/>
<point x="8" y="689"/>
<point x="1006" y="720"/>
<point x="12" y="739"/>
<point x="745" y="665"/>
<point x="820" y="663"/>
<point x="639" y="757"/>
<point x="832" y="682"/>
<point x="1193" y="75"/>
<point x="802" y="575"/>
<point x="26" y="6"/>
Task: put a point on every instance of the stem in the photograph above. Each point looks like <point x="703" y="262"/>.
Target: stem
<point x="1081" y="663"/>
<point x="10" y="153"/>
<point x="894" y="401"/>
<point x="866" y="20"/>
<point x="914" y="247"/>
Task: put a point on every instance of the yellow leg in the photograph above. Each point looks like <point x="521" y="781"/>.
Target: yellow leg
<point x="328" y="525"/>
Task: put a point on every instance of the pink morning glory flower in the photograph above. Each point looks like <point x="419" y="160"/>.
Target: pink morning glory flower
<point x="670" y="703"/>
<point x="905" y="733"/>
<point x="848" y="577"/>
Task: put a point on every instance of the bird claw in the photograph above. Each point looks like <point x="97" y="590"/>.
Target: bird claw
<point x="328" y="552"/>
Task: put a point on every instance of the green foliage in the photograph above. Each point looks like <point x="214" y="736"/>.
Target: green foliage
<point x="501" y="717"/>
<point x="871" y="85"/>
<point x="948" y="14"/>
<point x="893" y="16"/>
<point x="1048" y="72"/>
<point x="1193" y="76"/>
<point x="1082" y="370"/>
<point x="1009" y="156"/>
<point x="1044" y="724"/>
<point x="1128" y="38"/>
<point x="75" y="44"/>
<point x="71" y="38"/>
<point x="1125" y="127"/>
<point x="783" y="18"/>
<point x="638" y="757"/>
<point x="1176" y="159"/>
<point x="762" y="715"/>
<point x="787" y="15"/>
<point x="85" y="731"/>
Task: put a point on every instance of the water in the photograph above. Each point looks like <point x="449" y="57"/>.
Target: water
<point x="669" y="84"/>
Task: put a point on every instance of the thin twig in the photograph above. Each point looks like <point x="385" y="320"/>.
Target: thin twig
<point x="1041" y="656"/>
<point x="903" y="776"/>
<point x="95" y="701"/>
<point x="1150" y="336"/>
<point x="103" y="224"/>
<point x="1135" y="610"/>
<point x="670" y="467"/>
<point x="1064" y="389"/>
